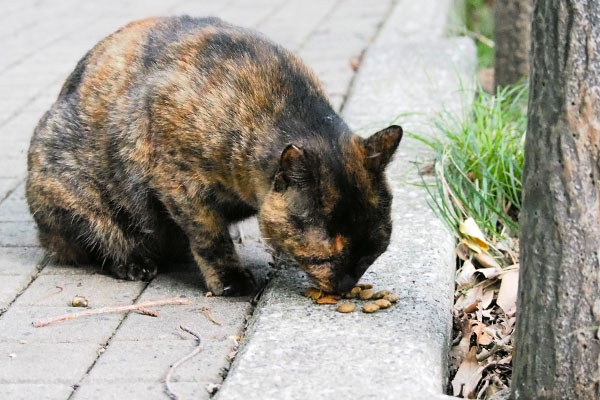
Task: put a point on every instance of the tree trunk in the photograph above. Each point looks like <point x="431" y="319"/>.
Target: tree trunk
<point x="557" y="353"/>
<point x="512" y="28"/>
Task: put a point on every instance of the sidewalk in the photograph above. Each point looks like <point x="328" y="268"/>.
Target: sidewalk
<point x="292" y="348"/>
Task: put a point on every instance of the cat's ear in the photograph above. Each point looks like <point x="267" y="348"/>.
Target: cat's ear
<point x="380" y="147"/>
<point x="294" y="166"/>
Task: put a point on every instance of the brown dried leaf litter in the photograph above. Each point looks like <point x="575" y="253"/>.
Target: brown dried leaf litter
<point x="484" y="315"/>
<point x="381" y="299"/>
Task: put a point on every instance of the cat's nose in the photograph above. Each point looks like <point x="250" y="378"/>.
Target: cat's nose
<point x="346" y="284"/>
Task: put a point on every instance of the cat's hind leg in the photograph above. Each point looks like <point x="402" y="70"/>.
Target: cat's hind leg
<point x="75" y="227"/>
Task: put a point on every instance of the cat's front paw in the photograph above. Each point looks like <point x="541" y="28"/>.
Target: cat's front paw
<point x="234" y="282"/>
<point x="134" y="271"/>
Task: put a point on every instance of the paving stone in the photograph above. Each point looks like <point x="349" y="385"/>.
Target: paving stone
<point x="229" y="312"/>
<point x="150" y="361"/>
<point x="140" y="391"/>
<point x="436" y="69"/>
<point x="20" y="260"/>
<point x="16" y="325"/>
<point x="11" y="169"/>
<point x="249" y="14"/>
<point x="45" y="362"/>
<point x="54" y="268"/>
<point x="28" y="391"/>
<point x="292" y="24"/>
<point x="6" y="185"/>
<point x="100" y="290"/>
<point x="18" y="234"/>
<point x="15" y="211"/>
<point x="10" y="287"/>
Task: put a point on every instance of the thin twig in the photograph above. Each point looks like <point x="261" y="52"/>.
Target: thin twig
<point x="169" y="389"/>
<point x="208" y="314"/>
<point x="147" y="311"/>
<point x="140" y="307"/>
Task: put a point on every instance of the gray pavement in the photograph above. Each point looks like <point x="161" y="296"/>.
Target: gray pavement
<point x="121" y="356"/>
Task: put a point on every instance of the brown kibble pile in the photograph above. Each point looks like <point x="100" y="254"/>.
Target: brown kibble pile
<point x="381" y="299"/>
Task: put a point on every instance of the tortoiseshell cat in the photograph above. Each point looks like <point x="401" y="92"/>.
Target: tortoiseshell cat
<point x="171" y="129"/>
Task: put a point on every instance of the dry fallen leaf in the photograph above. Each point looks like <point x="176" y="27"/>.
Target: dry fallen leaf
<point x="471" y="245"/>
<point x="486" y="298"/>
<point x="507" y="295"/>
<point x="471" y="231"/>
<point x="483" y="338"/>
<point x="464" y="277"/>
<point x="468" y="375"/>
<point x="470" y="297"/>
<point x="462" y="251"/>
<point x="487" y="261"/>
<point x="490" y="273"/>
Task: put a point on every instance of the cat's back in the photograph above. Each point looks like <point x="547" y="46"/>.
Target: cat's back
<point x="118" y="63"/>
<point x="176" y="60"/>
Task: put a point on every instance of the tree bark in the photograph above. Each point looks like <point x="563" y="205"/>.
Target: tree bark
<point x="512" y="29"/>
<point x="557" y="353"/>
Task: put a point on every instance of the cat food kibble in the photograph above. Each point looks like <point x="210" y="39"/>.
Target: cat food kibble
<point x="383" y="303"/>
<point x="366" y="294"/>
<point x="370" y="308"/>
<point x="328" y="299"/>
<point x="364" y="286"/>
<point x="392" y="298"/>
<point x="313" y="293"/>
<point x="346" y="307"/>
<point x="381" y="294"/>
<point x="353" y="293"/>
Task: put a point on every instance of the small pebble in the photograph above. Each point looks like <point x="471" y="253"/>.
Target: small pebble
<point x="370" y="308"/>
<point x="366" y="294"/>
<point x="79" y="301"/>
<point x="346" y="307"/>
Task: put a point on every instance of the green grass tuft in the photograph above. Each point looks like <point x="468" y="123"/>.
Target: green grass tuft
<point x="479" y="163"/>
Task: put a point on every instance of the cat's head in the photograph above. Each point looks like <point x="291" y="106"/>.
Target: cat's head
<point x="329" y="206"/>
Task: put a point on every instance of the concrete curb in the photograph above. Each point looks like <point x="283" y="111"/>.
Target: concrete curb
<point x="294" y="350"/>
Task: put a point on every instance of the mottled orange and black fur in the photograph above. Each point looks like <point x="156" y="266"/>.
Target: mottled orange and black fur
<point x="171" y="129"/>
